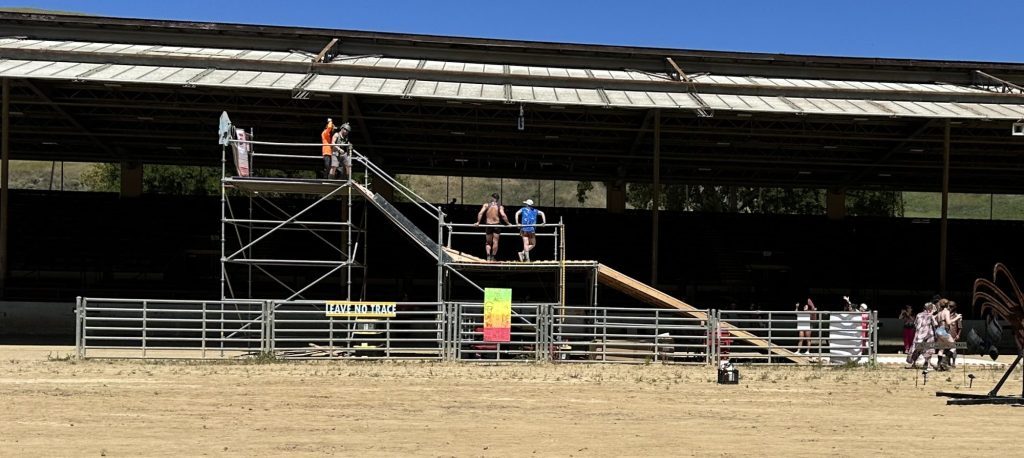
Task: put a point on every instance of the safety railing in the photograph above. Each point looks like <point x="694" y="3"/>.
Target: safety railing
<point x="304" y="330"/>
<point x="549" y="230"/>
<point x="371" y="168"/>
<point x="146" y="328"/>
<point x="527" y="334"/>
<point x="825" y="337"/>
<point x="628" y="335"/>
<point x="403" y="190"/>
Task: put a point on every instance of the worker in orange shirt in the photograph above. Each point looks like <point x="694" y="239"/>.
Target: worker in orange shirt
<point x="325" y="137"/>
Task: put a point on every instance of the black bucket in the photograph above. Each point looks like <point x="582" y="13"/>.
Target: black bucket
<point x="728" y="376"/>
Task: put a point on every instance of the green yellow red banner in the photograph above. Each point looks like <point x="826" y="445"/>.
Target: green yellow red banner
<point x="497" y="314"/>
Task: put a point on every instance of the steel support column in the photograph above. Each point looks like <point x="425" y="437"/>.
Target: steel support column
<point x="5" y="155"/>
<point x="346" y="214"/>
<point x="656" y="198"/>
<point x="944" y="224"/>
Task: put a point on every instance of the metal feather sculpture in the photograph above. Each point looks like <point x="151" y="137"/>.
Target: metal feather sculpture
<point x="1007" y="304"/>
<point x="998" y="298"/>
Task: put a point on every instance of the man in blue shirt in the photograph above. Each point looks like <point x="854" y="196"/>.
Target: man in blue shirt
<point x="526" y="217"/>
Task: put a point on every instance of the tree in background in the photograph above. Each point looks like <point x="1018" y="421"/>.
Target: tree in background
<point x="102" y="177"/>
<point x="742" y="199"/>
<point x="875" y="203"/>
<point x="582" y="188"/>
<point x="171" y="179"/>
<point x="157" y="179"/>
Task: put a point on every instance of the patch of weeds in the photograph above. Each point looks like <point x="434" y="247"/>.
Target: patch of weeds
<point x="59" y="357"/>
<point x="852" y="364"/>
<point x="266" y="357"/>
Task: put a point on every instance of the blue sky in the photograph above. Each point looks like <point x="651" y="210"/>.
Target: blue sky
<point x="936" y="29"/>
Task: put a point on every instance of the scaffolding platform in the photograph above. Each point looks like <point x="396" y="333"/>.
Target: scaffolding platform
<point x="452" y="266"/>
<point x="505" y="266"/>
<point x="307" y="186"/>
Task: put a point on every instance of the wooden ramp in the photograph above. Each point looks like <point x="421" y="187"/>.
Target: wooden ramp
<point x="643" y="292"/>
<point x="649" y="295"/>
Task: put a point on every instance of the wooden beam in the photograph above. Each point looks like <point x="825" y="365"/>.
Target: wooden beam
<point x="680" y="75"/>
<point x="5" y="155"/>
<point x="656" y="198"/>
<point x="323" y="52"/>
<point x="944" y="226"/>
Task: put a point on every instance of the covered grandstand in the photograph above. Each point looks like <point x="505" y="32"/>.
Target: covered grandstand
<point x="140" y="92"/>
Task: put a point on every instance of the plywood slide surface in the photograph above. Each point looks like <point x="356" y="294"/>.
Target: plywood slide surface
<point x="650" y="295"/>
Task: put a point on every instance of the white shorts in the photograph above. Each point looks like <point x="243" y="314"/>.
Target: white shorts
<point x="803" y="322"/>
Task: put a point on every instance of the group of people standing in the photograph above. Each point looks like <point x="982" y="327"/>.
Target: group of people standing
<point x="336" y="149"/>
<point x="492" y="214"/>
<point x="932" y="332"/>
<point x="807" y="314"/>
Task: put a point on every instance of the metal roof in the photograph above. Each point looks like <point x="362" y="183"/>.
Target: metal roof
<point x="437" y="105"/>
<point x="555" y="87"/>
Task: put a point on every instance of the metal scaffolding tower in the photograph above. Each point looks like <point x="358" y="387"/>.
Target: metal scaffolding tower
<point x="244" y="231"/>
<point x="255" y="211"/>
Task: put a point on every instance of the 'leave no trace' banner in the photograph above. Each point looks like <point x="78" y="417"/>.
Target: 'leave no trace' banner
<point x="361" y="309"/>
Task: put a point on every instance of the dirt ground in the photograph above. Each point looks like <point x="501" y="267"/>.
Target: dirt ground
<point x="55" y="407"/>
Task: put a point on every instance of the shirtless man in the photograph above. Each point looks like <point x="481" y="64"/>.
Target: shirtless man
<point x="495" y="213"/>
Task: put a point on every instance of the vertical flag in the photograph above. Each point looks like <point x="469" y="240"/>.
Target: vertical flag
<point x="497" y="314"/>
<point x="242" y="150"/>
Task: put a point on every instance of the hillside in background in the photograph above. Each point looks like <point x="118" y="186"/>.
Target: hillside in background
<point x="81" y="176"/>
<point x="47" y="175"/>
<point x="475" y="190"/>
<point x="28" y="10"/>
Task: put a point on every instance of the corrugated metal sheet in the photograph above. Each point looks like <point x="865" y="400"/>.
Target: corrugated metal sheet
<point x="149" y="50"/>
<point x="116" y="73"/>
<point x="435" y="87"/>
<point x="495" y="69"/>
<point x="854" y="107"/>
<point x="836" y="84"/>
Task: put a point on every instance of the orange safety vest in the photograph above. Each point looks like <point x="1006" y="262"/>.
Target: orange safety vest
<point x="325" y="137"/>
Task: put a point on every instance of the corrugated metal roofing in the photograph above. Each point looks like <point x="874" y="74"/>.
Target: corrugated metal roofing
<point x="436" y="87"/>
<point x="837" y="84"/>
<point x="149" y="50"/>
<point x="127" y="74"/>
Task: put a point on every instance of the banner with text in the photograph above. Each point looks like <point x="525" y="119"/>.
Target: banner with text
<point x="497" y="314"/>
<point x="361" y="309"/>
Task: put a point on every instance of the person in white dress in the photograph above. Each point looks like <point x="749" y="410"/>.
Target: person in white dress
<point x="805" y="314"/>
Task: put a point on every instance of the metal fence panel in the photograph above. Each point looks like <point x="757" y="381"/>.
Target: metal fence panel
<point x="149" y="328"/>
<point x="302" y="330"/>
<point x="628" y="335"/>
<point x="145" y="328"/>
<point x="527" y="334"/>
<point x="819" y="337"/>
